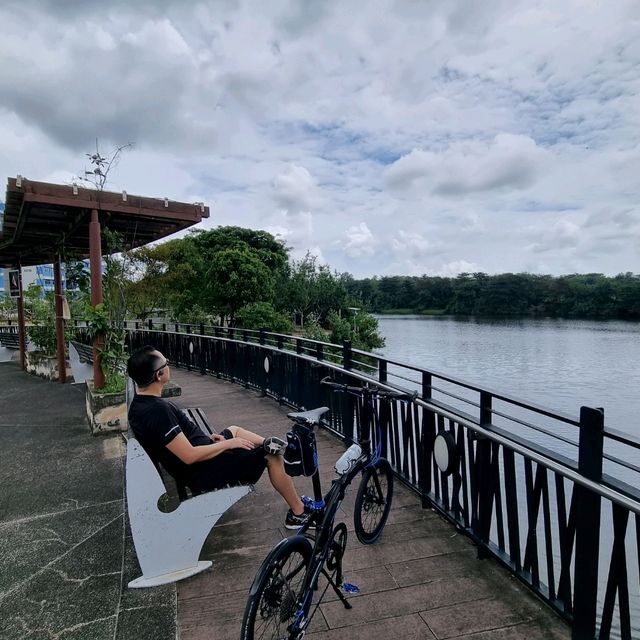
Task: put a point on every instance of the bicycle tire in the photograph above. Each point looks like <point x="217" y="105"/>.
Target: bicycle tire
<point x="272" y="602"/>
<point x="373" y="501"/>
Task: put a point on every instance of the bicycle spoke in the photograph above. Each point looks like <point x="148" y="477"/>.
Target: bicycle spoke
<point x="373" y="502"/>
<point x="279" y="601"/>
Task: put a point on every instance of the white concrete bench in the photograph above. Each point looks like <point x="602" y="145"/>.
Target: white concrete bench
<point x="168" y="545"/>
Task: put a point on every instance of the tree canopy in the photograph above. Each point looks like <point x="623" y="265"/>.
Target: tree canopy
<point x="591" y="295"/>
<point x="244" y="278"/>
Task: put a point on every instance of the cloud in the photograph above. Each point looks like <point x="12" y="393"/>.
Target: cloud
<point x="294" y="190"/>
<point x="508" y="162"/>
<point x="411" y="245"/>
<point x="452" y="269"/>
<point x="359" y="241"/>
<point x="503" y="135"/>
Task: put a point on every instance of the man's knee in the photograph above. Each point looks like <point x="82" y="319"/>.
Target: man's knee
<point x="234" y="430"/>
<point x="274" y="461"/>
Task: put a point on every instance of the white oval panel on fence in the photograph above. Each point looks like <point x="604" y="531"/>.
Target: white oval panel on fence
<point x="266" y="364"/>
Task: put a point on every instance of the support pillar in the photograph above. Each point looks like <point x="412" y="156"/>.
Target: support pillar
<point x="22" y="330"/>
<point x="61" y="346"/>
<point x="95" y="261"/>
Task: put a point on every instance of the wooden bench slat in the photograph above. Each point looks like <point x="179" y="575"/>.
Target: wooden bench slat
<point x="199" y="418"/>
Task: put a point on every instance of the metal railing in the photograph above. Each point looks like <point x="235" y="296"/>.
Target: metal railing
<point x="551" y="496"/>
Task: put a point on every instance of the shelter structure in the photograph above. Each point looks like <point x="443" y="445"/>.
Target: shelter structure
<point x="42" y="222"/>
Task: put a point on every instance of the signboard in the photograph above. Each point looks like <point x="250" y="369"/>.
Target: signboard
<point x="14" y="283"/>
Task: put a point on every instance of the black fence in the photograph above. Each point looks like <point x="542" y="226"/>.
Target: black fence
<point x="552" y="497"/>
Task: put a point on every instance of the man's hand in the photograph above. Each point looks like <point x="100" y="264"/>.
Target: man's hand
<point x="239" y="443"/>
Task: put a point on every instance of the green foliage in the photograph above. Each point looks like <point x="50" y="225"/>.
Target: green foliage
<point x="41" y="309"/>
<point x="523" y="294"/>
<point x="262" y="315"/>
<point x="270" y="251"/>
<point x="215" y="271"/>
<point x="114" y="384"/>
<point x="312" y="289"/>
<point x="145" y="285"/>
<point x="235" y="278"/>
<point x="8" y="308"/>
<point x="77" y="276"/>
<point x="194" y="316"/>
<point x="112" y="352"/>
<point x="313" y="331"/>
<point x="362" y="331"/>
<point x="366" y="335"/>
<point x="106" y="319"/>
<point x="339" y="328"/>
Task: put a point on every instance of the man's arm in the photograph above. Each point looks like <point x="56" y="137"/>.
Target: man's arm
<point x="183" y="449"/>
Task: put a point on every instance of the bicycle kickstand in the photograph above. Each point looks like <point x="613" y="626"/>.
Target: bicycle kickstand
<point x="336" y="588"/>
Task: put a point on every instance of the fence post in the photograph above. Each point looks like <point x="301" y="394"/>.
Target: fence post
<point x="426" y="385"/>
<point x="590" y="449"/>
<point x="484" y="477"/>
<point x="150" y="324"/>
<point x="382" y="370"/>
<point x="346" y="355"/>
<point x="202" y="328"/>
<point x="266" y="363"/>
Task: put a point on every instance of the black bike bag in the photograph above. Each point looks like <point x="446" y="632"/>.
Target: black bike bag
<point x="301" y="455"/>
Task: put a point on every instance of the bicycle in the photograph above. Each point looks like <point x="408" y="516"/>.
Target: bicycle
<point x="281" y="594"/>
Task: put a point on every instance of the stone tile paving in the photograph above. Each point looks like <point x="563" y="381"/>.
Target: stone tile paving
<point x="422" y="580"/>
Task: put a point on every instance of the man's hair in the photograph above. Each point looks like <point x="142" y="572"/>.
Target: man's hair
<point x="142" y="365"/>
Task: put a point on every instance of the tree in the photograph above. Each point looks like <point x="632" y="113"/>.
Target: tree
<point x="262" y="315"/>
<point x="312" y="289"/>
<point x="147" y="289"/>
<point x="235" y="278"/>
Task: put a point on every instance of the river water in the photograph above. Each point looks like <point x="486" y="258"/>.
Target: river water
<point x="558" y="364"/>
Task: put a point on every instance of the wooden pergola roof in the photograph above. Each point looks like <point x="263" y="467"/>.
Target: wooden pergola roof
<point x="42" y="220"/>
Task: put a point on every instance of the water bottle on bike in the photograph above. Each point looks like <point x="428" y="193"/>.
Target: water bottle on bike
<point x="346" y="462"/>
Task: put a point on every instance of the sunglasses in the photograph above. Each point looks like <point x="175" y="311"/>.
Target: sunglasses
<point x="161" y="367"/>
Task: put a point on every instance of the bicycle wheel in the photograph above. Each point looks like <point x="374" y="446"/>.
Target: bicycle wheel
<point x="373" y="501"/>
<point x="275" y="592"/>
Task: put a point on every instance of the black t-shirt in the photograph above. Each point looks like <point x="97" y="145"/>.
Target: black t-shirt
<point x="155" y="423"/>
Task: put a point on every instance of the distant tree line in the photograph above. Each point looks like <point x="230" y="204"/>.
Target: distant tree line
<point x="590" y="295"/>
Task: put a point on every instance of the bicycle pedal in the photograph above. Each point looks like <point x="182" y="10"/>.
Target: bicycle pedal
<point x="347" y="587"/>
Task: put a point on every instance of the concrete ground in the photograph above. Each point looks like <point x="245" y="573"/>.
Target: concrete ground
<point x="65" y="555"/>
<point x="66" y="551"/>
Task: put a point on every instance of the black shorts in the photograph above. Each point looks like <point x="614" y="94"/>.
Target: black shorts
<point x="233" y="467"/>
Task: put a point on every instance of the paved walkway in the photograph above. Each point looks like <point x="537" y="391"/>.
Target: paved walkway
<point x="63" y="549"/>
<point x="66" y="551"/>
<point x="421" y="580"/>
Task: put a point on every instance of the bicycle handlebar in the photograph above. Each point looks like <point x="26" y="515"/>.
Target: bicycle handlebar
<point x="374" y="391"/>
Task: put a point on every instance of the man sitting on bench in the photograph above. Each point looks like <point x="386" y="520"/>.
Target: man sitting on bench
<point x="201" y="462"/>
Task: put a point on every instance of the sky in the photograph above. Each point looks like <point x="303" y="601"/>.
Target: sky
<point x="384" y="137"/>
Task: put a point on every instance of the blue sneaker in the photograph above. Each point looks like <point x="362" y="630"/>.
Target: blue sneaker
<point x="292" y="521"/>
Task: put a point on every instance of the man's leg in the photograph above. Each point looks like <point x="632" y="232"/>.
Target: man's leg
<point x="280" y="481"/>
<point x="283" y="483"/>
<point x="239" y="432"/>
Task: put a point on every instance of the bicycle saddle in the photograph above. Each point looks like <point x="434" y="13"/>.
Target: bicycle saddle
<point x="311" y="416"/>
